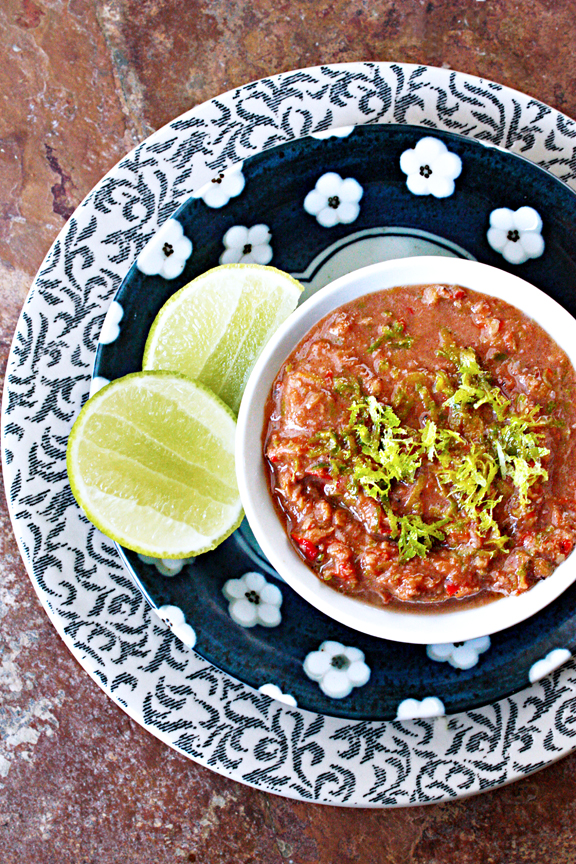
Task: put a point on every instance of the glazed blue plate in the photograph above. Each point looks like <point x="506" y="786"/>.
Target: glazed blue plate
<point x="392" y="222"/>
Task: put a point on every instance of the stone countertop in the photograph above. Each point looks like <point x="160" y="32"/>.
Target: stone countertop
<point x="82" y="82"/>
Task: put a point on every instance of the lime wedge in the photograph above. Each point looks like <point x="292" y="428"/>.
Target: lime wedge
<point x="215" y="327"/>
<point x="151" y="461"/>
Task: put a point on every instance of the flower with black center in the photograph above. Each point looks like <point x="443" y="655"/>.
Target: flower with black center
<point x="174" y="617"/>
<point x="167" y="566"/>
<point x="225" y="185"/>
<point x="337" y="669"/>
<point x="516" y="234"/>
<point x="334" y="200"/>
<point x="244" y="245"/>
<point x="111" y="325"/>
<point x="274" y="692"/>
<point x="548" y="664"/>
<point x="252" y="600"/>
<point x="430" y="168"/>
<point x="416" y="709"/>
<point x="167" y="252"/>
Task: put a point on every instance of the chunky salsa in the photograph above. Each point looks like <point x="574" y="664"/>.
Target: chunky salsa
<point x="421" y="448"/>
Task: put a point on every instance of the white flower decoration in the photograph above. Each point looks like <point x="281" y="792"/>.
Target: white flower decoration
<point x="462" y="656"/>
<point x="553" y="660"/>
<point x="337" y="669"/>
<point x="167" y="566"/>
<point x="412" y="709"/>
<point x="97" y="384"/>
<point x="337" y="132"/>
<point x="516" y="234"/>
<point x="334" y="200"/>
<point x="431" y="168"/>
<point x="247" y="245"/>
<point x="253" y="601"/>
<point x="274" y="692"/>
<point x="226" y="184"/>
<point x="166" y="252"/>
<point x="111" y="325"/>
<point x="175" y="619"/>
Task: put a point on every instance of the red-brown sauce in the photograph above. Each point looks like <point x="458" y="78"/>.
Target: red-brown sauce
<point x="421" y="448"/>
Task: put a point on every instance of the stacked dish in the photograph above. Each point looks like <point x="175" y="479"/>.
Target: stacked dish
<point x="80" y="578"/>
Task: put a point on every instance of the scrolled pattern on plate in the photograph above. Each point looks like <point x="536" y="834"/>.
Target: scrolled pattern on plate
<point x="77" y="572"/>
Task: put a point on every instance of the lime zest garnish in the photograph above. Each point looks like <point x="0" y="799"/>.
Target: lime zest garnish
<point x="428" y="439"/>
<point x="388" y="452"/>
<point x="415" y="537"/>
<point x="520" y="454"/>
<point x="394" y="335"/>
<point x="347" y="385"/>
<point x="475" y="388"/>
<point x="470" y="479"/>
<point x="377" y="450"/>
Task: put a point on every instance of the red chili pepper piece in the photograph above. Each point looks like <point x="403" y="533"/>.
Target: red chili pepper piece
<point x="450" y="588"/>
<point x="565" y="546"/>
<point x="319" y="472"/>
<point x="459" y="294"/>
<point x="308" y="549"/>
<point x="345" y="571"/>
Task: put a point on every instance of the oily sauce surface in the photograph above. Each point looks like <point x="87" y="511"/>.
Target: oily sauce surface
<point x="421" y="448"/>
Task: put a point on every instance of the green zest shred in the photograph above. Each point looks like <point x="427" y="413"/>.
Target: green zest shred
<point x="415" y="537"/>
<point x="393" y="335"/>
<point x="377" y="451"/>
<point x="475" y="388"/>
<point x="520" y="453"/>
<point x="388" y="452"/>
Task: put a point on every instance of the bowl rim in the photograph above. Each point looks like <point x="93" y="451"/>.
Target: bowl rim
<point x="385" y="623"/>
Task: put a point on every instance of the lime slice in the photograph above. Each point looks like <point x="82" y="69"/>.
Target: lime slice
<point x="215" y="327"/>
<point x="151" y="461"/>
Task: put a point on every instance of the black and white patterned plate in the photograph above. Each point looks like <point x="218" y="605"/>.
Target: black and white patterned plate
<point x="81" y="580"/>
<point x="269" y="204"/>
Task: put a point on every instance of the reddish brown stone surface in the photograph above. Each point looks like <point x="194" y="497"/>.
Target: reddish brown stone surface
<point x="80" y="83"/>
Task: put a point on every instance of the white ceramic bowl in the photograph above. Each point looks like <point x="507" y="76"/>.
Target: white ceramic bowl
<point x="400" y="626"/>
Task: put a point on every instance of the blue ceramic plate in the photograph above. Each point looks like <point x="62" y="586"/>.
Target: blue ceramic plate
<point x="392" y="222"/>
